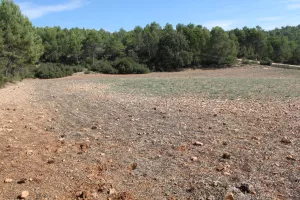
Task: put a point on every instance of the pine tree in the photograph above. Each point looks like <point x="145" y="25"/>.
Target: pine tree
<point x="21" y="44"/>
<point x="221" y="49"/>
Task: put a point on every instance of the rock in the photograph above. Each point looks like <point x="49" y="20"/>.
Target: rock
<point x="24" y="195"/>
<point x="220" y="168"/>
<point x="286" y="141"/>
<point x="290" y="157"/>
<point x="29" y="152"/>
<point x="225" y="143"/>
<point x="229" y="196"/>
<point x="94" y="127"/>
<point x="8" y="180"/>
<point x="211" y="198"/>
<point x="197" y="143"/>
<point x="255" y="138"/>
<point x="112" y="191"/>
<point x="51" y="162"/>
<point x="226" y="156"/>
<point x="194" y="159"/>
<point x="22" y="181"/>
<point x="133" y="166"/>
<point x="246" y="188"/>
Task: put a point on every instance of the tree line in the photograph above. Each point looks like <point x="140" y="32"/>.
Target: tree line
<point x="49" y="52"/>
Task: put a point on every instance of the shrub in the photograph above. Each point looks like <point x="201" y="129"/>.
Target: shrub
<point x="1" y="80"/>
<point x="128" y="66"/>
<point x="54" y="70"/>
<point x="104" y="67"/>
<point x="266" y="61"/>
<point x="246" y="62"/>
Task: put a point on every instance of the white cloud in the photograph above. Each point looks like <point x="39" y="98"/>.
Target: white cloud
<point x="225" y="24"/>
<point x="269" y="19"/>
<point x="34" y="11"/>
<point x="292" y="4"/>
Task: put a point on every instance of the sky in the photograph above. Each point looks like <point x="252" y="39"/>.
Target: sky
<point x="112" y="15"/>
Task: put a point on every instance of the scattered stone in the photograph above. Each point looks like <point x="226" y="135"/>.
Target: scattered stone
<point x="29" y="152"/>
<point x="133" y="166"/>
<point x="84" y="147"/>
<point x="246" y="188"/>
<point x="255" y="138"/>
<point x="226" y="173"/>
<point x="220" y="168"/>
<point x="286" y="141"/>
<point x="226" y="156"/>
<point x="290" y="157"/>
<point x="229" y="196"/>
<point x="112" y="191"/>
<point x="82" y="195"/>
<point x="194" y="159"/>
<point x="197" y="143"/>
<point x="94" y="127"/>
<point x="24" y="195"/>
<point x="225" y="143"/>
<point x="102" y="154"/>
<point x="215" y="115"/>
<point x="22" y="181"/>
<point x="211" y="198"/>
<point x="8" y="180"/>
<point x="51" y="161"/>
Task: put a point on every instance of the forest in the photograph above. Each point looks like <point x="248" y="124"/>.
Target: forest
<point x="50" y="52"/>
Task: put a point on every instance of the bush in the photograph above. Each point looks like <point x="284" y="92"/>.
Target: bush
<point x="54" y="70"/>
<point x="1" y="80"/>
<point x="105" y="67"/>
<point x="266" y="61"/>
<point x="246" y="62"/>
<point x="128" y="66"/>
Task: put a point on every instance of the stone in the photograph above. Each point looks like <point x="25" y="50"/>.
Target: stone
<point x="24" y="195"/>
<point x="197" y="143"/>
<point x="112" y="191"/>
<point x="246" y="188"/>
<point x="194" y="158"/>
<point x="226" y="156"/>
<point x="229" y="196"/>
<point x="286" y="141"/>
<point x="8" y="180"/>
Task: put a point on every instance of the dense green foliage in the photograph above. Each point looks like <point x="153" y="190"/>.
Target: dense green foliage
<point x="266" y="61"/>
<point x="152" y="48"/>
<point x="19" y="43"/>
<point x="54" y="70"/>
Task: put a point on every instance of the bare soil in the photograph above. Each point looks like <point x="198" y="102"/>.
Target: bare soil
<point x="76" y="138"/>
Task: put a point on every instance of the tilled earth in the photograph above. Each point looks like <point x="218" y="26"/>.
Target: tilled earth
<point x="74" y="138"/>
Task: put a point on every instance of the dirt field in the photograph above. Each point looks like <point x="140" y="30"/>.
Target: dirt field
<point x="229" y="134"/>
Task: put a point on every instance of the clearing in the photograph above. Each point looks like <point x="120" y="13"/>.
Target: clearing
<point x="197" y="134"/>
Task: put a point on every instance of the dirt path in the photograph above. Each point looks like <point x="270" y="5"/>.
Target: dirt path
<point x="73" y="138"/>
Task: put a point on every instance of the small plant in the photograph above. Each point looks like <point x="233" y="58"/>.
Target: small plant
<point x="246" y="62"/>
<point x="128" y="66"/>
<point x="54" y="70"/>
<point x="266" y="61"/>
<point x="87" y="72"/>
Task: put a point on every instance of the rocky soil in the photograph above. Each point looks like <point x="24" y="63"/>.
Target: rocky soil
<point x="74" y="138"/>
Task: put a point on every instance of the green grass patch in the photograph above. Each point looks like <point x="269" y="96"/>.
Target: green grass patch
<point x="214" y="88"/>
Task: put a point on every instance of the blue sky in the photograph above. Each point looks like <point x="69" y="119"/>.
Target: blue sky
<point x="112" y="15"/>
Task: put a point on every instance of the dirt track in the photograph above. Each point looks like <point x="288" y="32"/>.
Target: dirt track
<point x="73" y="137"/>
